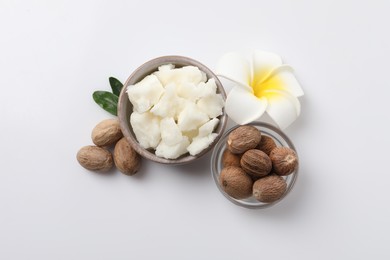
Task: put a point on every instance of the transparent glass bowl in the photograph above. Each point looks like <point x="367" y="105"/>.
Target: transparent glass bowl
<point x="216" y="164"/>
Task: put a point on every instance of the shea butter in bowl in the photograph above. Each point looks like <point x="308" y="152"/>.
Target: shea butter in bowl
<point x="254" y="166"/>
<point x="171" y="110"/>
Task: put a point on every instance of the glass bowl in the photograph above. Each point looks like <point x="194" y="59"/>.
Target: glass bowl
<point x="216" y="164"/>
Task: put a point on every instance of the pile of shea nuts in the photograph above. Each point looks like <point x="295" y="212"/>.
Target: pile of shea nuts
<point x="98" y="157"/>
<point x="253" y="165"/>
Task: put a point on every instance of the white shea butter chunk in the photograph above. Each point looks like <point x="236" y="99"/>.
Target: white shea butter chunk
<point x="175" y="111"/>
<point x="145" y="93"/>
<point x="211" y="105"/>
<point x="169" y="104"/>
<point x="146" y="127"/>
<point x="204" y="138"/>
<point x="172" y="151"/>
<point x="207" y="89"/>
<point x="191" y="134"/>
<point x="208" y="128"/>
<point x="193" y="74"/>
<point x="166" y="67"/>
<point x="193" y="92"/>
<point x="170" y="132"/>
<point x="189" y="91"/>
<point x="201" y="143"/>
<point x="179" y="75"/>
<point x="191" y="117"/>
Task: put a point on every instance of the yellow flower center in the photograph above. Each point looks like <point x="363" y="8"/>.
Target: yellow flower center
<point x="271" y="83"/>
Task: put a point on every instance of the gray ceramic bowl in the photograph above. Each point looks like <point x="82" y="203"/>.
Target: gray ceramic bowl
<point x="125" y="108"/>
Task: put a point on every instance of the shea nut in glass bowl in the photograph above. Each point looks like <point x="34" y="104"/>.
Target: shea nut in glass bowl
<point x="238" y="179"/>
<point x="127" y="108"/>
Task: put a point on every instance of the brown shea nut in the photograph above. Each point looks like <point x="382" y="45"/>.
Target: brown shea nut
<point x="126" y="159"/>
<point x="95" y="158"/>
<point x="107" y="132"/>
<point x="230" y="159"/>
<point x="284" y="160"/>
<point x="256" y="163"/>
<point x="267" y="144"/>
<point x="243" y="138"/>
<point x="235" y="182"/>
<point x="269" y="188"/>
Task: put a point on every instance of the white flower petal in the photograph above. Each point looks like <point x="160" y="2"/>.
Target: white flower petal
<point x="236" y="68"/>
<point x="263" y="64"/>
<point x="290" y="83"/>
<point x="243" y="107"/>
<point x="282" y="107"/>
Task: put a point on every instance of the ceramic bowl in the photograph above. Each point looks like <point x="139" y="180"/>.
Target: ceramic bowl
<point x="125" y="108"/>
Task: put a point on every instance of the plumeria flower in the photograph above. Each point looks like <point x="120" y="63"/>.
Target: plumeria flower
<point x="265" y="85"/>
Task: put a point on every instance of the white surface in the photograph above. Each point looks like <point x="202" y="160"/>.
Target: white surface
<point x="54" y="54"/>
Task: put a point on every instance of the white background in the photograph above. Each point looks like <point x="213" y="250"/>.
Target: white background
<point x="54" y="54"/>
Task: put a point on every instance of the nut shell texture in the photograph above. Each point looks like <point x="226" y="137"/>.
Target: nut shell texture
<point x="267" y="144"/>
<point x="269" y="189"/>
<point x="256" y="163"/>
<point x="95" y="158"/>
<point x="230" y="159"/>
<point x="106" y="133"/>
<point x="243" y="139"/>
<point x="284" y="160"/>
<point x="126" y="159"/>
<point x="235" y="182"/>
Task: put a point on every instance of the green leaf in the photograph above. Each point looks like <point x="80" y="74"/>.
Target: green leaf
<point x="107" y="101"/>
<point x="116" y="85"/>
